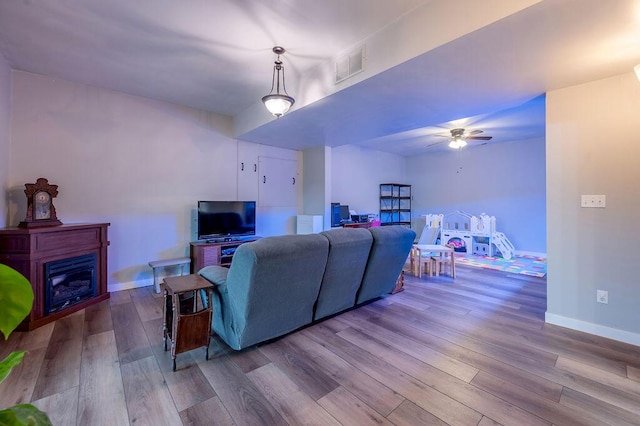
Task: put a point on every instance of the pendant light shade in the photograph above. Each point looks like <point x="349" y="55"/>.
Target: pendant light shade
<point x="278" y="103"/>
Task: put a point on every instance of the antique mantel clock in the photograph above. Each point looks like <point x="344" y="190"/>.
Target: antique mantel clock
<point x="40" y="209"/>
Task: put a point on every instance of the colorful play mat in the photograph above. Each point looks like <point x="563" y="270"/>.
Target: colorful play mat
<point x="526" y="265"/>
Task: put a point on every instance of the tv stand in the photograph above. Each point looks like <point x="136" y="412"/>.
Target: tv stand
<point x="242" y="239"/>
<point x="218" y="252"/>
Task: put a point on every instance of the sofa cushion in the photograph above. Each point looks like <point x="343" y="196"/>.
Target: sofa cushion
<point x="348" y="253"/>
<point x="389" y="252"/>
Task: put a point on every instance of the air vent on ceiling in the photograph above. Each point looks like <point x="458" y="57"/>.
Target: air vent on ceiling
<point x="350" y="64"/>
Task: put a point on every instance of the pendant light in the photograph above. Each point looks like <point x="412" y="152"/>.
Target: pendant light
<point x="278" y="103"/>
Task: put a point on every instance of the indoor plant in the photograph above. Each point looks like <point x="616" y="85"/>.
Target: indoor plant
<point x="16" y="299"/>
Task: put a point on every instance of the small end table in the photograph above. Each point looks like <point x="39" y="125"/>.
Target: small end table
<point x="185" y="326"/>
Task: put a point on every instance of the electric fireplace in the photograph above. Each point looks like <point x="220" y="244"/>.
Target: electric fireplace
<point x="65" y="264"/>
<point x="69" y="282"/>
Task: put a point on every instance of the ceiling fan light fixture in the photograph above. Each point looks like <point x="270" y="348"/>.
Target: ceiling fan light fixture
<point x="457" y="141"/>
<point x="459" y="138"/>
<point x="278" y="103"/>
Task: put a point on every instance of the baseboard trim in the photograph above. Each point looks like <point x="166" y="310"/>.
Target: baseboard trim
<point x="596" y="329"/>
<point x="129" y="285"/>
<point x="530" y="253"/>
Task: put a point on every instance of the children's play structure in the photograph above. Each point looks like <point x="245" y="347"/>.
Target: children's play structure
<point x="470" y="234"/>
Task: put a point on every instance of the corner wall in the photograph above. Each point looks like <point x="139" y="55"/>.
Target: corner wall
<point x="5" y="137"/>
<point x="592" y="148"/>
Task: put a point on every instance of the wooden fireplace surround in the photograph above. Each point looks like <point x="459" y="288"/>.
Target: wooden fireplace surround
<point x="28" y="250"/>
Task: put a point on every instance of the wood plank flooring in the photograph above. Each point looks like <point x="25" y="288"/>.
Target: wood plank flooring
<point x="469" y="351"/>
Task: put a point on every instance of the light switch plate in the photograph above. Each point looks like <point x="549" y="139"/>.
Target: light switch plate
<point x="596" y="201"/>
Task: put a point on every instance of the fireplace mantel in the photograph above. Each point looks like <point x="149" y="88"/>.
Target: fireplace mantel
<point x="28" y="250"/>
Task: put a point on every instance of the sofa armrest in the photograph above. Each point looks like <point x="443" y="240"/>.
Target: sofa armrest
<point x="216" y="275"/>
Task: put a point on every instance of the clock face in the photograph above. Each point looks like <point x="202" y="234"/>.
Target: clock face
<point x="42" y="205"/>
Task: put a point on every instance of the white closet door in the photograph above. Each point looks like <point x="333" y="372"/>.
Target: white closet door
<point x="247" y="172"/>
<point x="278" y="180"/>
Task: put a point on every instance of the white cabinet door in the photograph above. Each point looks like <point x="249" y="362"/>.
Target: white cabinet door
<point x="247" y="171"/>
<point x="278" y="180"/>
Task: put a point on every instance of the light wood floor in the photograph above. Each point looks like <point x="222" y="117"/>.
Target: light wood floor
<point x="474" y="351"/>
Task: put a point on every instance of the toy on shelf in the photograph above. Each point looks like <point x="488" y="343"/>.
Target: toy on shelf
<point x="472" y="234"/>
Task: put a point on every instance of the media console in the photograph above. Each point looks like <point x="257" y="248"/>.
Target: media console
<point x="207" y="253"/>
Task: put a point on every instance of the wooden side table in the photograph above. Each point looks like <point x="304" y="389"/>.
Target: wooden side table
<point x="186" y="326"/>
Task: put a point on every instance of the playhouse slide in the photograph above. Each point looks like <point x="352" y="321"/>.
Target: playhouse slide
<point x="503" y="244"/>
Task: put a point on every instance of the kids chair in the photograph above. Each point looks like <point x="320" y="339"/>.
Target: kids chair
<point x="419" y="258"/>
<point x="443" y="260"/>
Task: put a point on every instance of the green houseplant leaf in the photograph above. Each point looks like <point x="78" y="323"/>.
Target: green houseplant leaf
<point x="16" y="299"/>
<point x="9" y="362"/>
<point x="23" y="414"/>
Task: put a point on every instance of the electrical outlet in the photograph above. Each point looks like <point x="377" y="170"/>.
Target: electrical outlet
<point x="602" y="296"/>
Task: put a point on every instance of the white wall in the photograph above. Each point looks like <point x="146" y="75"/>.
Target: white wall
<point x="593" y="148"/>
<point x="315" y="177"/>
<point x="504" y="180"/>
<point x="357" y="174"/>
<point x="139" y="164"/>
<point x="316" y="195"/>
<point x="5" y="136"/>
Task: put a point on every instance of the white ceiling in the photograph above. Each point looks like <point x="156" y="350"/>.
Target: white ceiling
<point x="216" y="56"/>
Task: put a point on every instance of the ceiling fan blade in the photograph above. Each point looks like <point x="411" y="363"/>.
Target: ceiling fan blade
<point x="441" y="135"/>
<point x="479" y="138"/>
<point x="474" y="132"/>
<point x="434" y="144"/>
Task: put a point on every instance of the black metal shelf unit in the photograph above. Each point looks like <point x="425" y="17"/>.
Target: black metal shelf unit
<point x="395" y="204"/>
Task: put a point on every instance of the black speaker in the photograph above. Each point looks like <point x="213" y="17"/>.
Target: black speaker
<point x="335" y="214"/>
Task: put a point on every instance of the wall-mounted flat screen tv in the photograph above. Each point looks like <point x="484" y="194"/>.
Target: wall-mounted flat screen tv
<point x="226" y="219"/>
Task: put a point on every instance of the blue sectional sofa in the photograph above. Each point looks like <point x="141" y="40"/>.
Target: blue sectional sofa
<point x="278" y="284"/>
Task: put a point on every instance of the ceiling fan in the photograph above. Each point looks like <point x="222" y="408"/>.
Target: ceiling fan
<point x="459" y="137"/>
